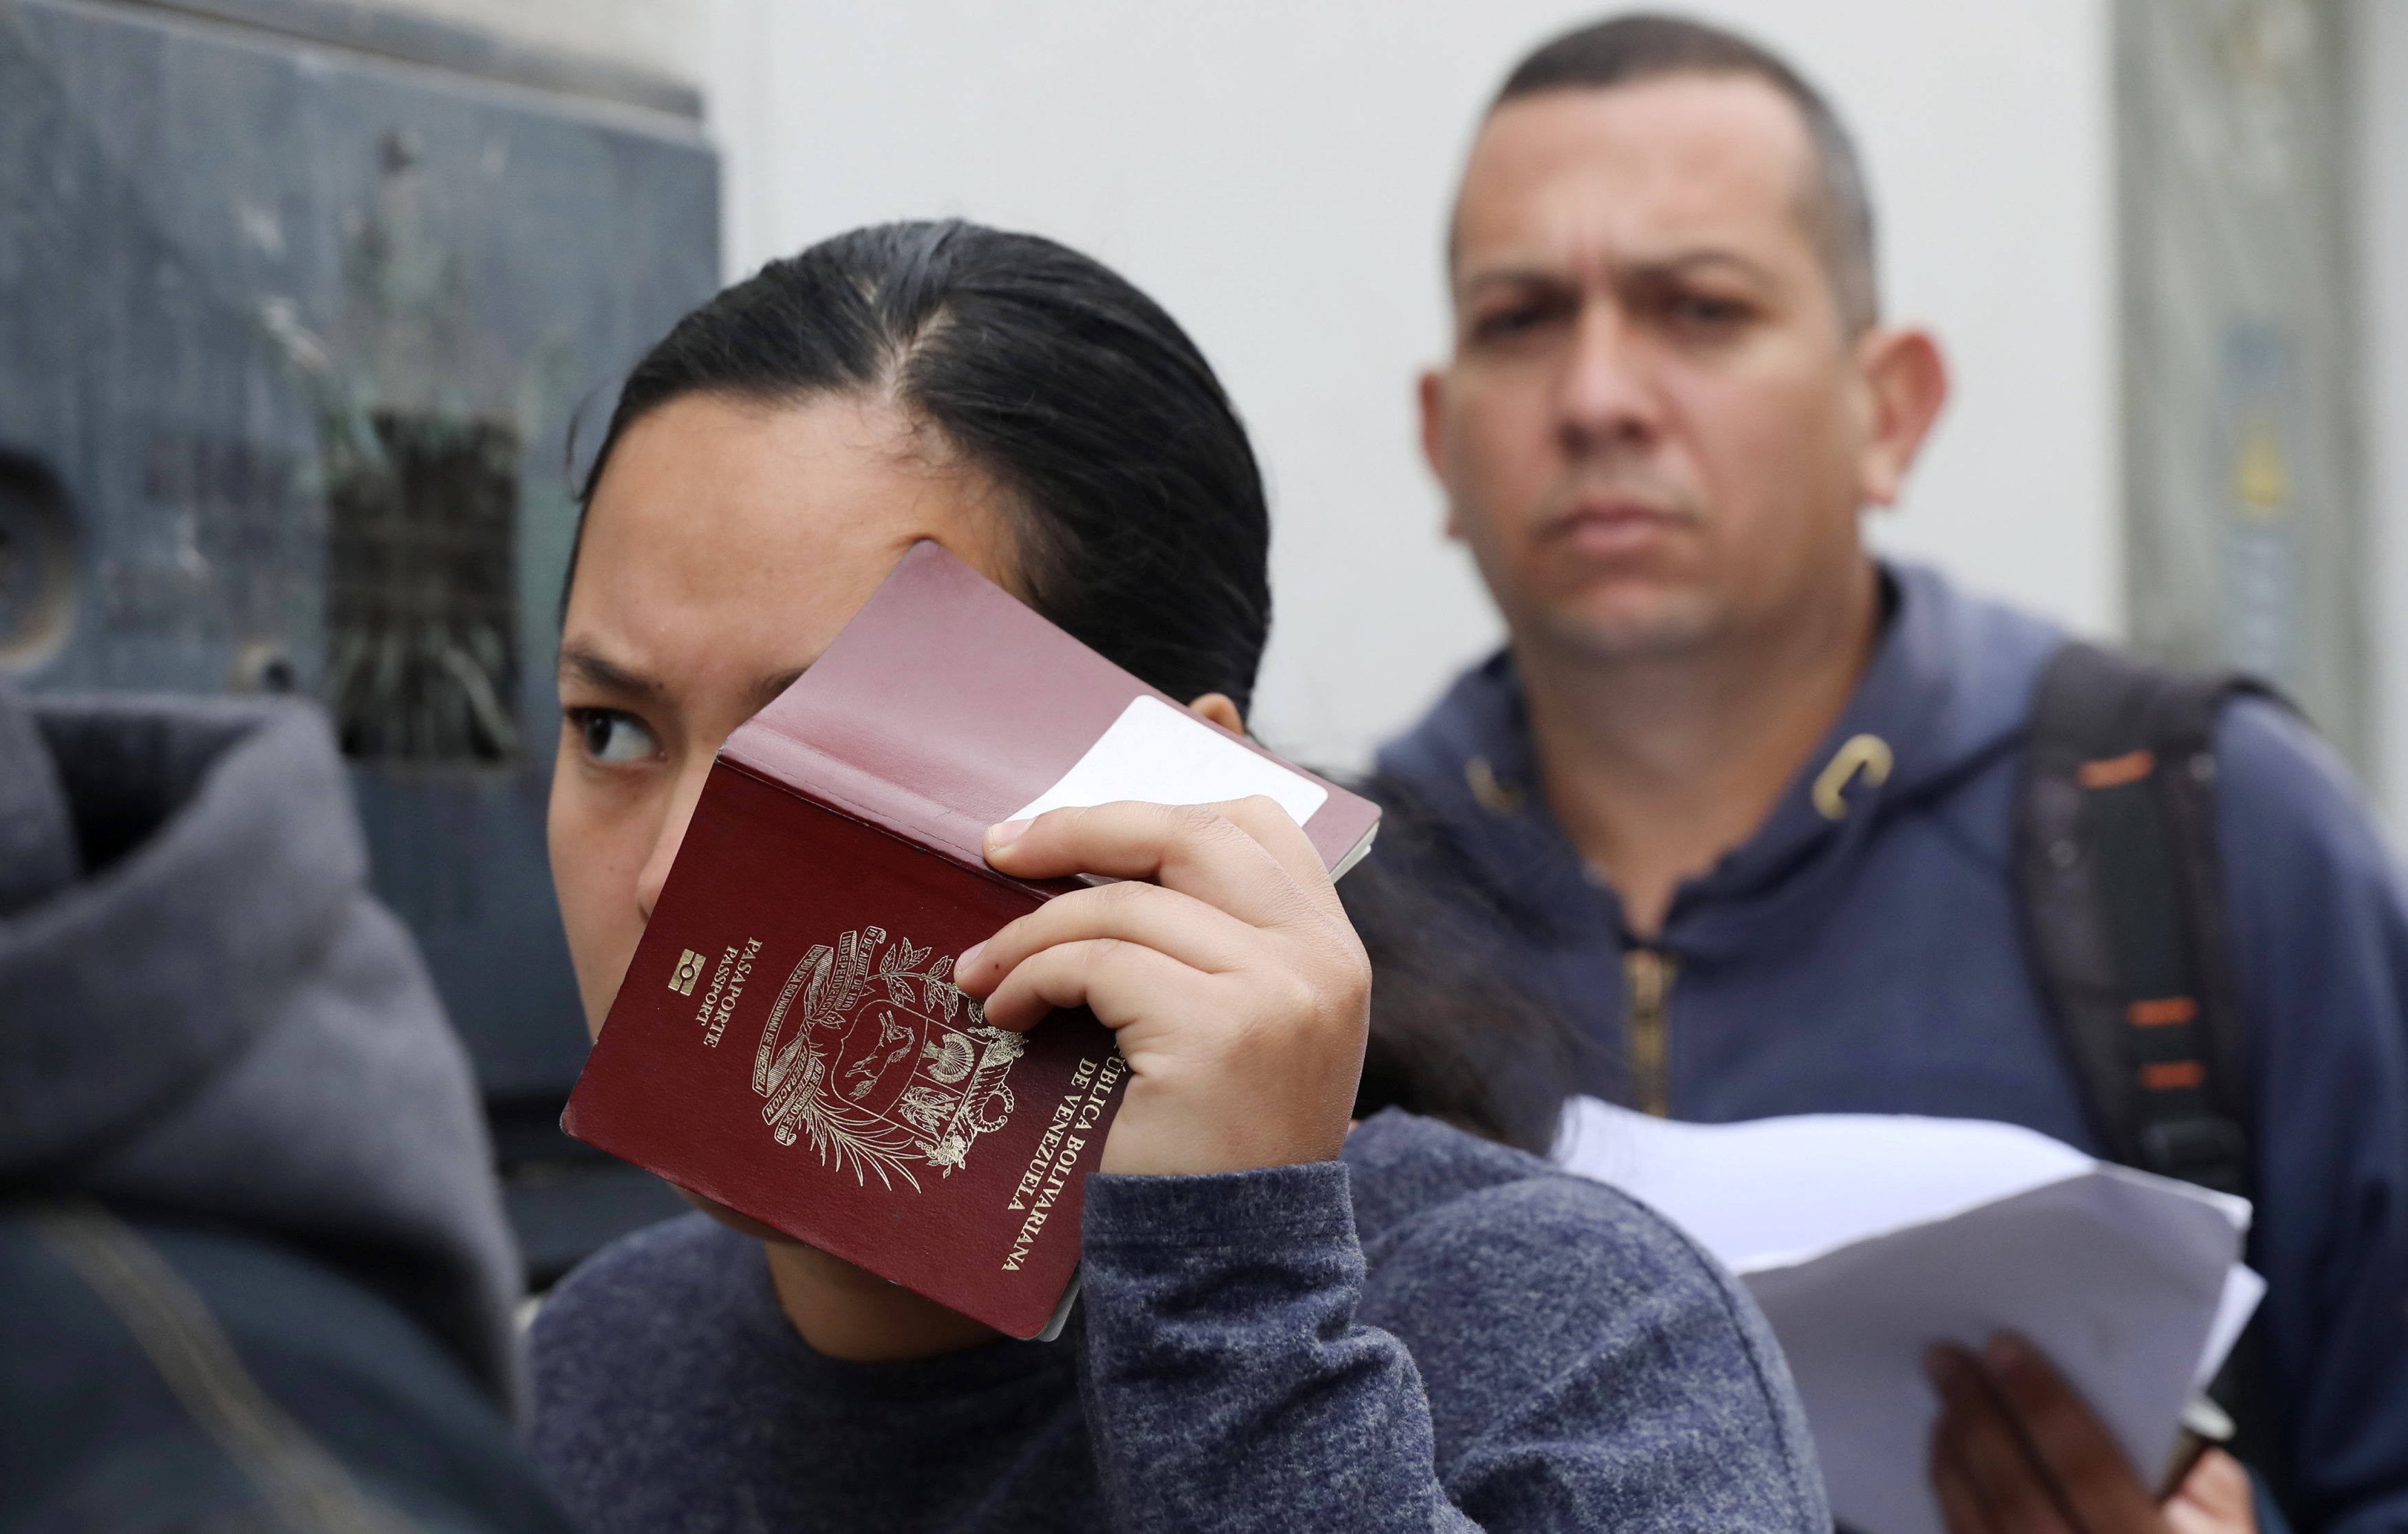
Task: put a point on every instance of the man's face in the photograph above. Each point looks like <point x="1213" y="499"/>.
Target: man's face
<point x="1653" y="431"/>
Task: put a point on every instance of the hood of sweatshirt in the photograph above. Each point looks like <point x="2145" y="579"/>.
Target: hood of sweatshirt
<point x="204" y="1016"/>
<point x="1945" y="694"/>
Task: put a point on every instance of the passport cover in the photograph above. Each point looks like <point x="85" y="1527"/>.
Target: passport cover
<point x="787" y="1041"/>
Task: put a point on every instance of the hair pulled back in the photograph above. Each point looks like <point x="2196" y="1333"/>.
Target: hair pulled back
<point x="1140" y="527"/>
<point x="1137" y="505"/>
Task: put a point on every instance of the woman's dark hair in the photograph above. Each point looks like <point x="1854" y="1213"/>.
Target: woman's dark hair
<point x="1138" y="507"/>
<point x="1457" y="1033"/>
<point x="1142" y="529"/>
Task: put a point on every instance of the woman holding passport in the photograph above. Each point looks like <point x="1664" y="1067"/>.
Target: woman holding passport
<point x="1287" y="1322"/>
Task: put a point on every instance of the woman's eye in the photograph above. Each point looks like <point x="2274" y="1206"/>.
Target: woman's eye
<point x="612" y="737"/>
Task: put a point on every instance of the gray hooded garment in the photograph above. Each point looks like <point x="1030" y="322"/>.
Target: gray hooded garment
<point x="205" y="1017"/>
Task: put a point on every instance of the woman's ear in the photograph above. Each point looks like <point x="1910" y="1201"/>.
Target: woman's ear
<point x="1217" y="708"/>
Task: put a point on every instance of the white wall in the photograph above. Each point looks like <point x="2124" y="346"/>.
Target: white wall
<point x="1276" y="175"/>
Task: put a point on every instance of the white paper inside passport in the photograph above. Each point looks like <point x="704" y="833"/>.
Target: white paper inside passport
<point x="1166" y="755"/>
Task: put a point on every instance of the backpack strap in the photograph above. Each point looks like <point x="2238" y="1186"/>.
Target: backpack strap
<point x="2121" y="890"/>
<point x="2122" y="900"/>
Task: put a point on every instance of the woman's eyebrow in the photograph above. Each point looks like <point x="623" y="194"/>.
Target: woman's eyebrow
<point x="600" y="672"/>
<point x="766" y="691"/>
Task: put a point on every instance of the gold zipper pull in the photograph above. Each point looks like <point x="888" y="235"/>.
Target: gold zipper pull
<point x="1648" y="974"/>
<point x="1863" y="754"/>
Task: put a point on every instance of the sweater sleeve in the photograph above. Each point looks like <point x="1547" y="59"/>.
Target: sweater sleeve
<point x="1232" y="1382"/>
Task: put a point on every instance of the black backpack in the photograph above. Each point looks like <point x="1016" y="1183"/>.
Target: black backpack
<point x="2121" y="892"/>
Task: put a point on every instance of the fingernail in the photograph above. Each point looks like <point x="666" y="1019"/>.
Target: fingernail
<point x="969" y="957"/>
<point x="1000" y="836"/>
<point x="2006" y="1351"/>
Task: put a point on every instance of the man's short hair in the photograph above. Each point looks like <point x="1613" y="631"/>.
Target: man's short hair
<point x="1626" y="50"/>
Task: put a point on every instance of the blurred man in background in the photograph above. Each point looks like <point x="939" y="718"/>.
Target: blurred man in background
<point x="1745" y="797"/>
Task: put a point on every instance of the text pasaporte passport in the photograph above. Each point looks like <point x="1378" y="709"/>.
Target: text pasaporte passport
<point x="788" y="1040"/>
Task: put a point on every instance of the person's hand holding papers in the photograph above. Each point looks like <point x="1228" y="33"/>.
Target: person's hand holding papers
<point x="2017" y="1451"/>
<point x="1869" y="1239"/>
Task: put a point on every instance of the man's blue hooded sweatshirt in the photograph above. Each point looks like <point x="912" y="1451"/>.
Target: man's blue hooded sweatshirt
<point x="1874" y="964"/>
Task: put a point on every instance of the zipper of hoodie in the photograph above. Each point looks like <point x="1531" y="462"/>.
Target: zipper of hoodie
<point x="1648" y="974"/>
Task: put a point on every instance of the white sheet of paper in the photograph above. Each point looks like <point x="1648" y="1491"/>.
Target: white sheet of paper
<point x="1866" y="1238"/>
<point x="1164" y="755"/>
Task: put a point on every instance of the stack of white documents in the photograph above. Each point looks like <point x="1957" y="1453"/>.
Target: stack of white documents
<point x="1867" y="1238"/>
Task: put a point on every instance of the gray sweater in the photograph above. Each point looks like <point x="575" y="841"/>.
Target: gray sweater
<point x="1435" y="1333"/>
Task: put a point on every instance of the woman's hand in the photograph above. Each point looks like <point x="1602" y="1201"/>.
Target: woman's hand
<point x="1239" y="994"/>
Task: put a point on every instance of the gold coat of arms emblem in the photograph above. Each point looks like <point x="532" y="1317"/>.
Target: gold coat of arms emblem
<point x="888" y="1065"/>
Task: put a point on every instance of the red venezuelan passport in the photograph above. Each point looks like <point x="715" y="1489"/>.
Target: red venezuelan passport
<point x="788" y="1042"/>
